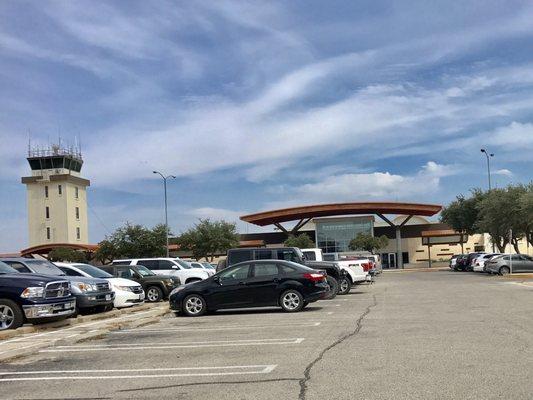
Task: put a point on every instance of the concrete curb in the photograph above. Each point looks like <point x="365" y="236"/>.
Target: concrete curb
<point x="9" y="334"/>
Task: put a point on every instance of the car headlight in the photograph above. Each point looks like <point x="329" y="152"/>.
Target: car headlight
<point x="31" y="292"/>
<point x="176" y="290"/>
<point x="125" y="288"/>
<point x="169" y="282"/>
<point x="84" y="287"/>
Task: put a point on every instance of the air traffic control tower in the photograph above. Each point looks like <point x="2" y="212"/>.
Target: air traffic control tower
<point x="57" y="197"/>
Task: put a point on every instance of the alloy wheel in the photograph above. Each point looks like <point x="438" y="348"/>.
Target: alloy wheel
<point x="194" y="305"/>
<point x="344" y="285"/>
<point x="7" y="317"/>
<point x="291" y="301"/>
<point x="152" y="295"/>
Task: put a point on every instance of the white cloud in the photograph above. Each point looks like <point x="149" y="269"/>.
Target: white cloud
<point x="370" y="186"/>
<point x="503" y="172"/>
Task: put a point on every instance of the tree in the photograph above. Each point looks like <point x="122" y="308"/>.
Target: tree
<point x="209" y="238"/>
<point x="525" y="204"/>
<point x="133" y="241"/>
<point x="302" y="241"/>
<point x="502" y="215"/>
<point x="367" y="242"/>
<point x="67" y="254"/>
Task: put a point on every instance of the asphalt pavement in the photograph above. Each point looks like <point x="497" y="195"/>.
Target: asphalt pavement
<point x="411" y="335"/>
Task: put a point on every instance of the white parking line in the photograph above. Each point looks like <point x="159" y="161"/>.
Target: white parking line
<point x="197" y="344"/>
<point x="134" y="373"/>
<point x="218" y="328"/>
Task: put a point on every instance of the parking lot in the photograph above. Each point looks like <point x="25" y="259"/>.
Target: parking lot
<point x="411" y="335"/>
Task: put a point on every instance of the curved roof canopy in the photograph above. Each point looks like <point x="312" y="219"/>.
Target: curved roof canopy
<point x="47" y="248"/>
<point x="326" y="210"/>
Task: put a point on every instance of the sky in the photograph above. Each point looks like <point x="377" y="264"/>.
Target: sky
<point x="255" y="105"/>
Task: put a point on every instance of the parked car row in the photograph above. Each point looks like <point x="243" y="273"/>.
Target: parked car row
<point x="492" y="263"/>
<point x="259" y="277"/>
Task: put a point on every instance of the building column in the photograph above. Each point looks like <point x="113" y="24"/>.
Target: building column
<point x="399" y="258"/>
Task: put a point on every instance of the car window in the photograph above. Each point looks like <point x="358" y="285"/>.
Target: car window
<point x="18" y="266"/>
<point x="310" y="255"/>
<point x="125" y="272"/>
<point x="44" y="267"/>
<point x="183" y="264"/>
<point x="70" y="272"/>
<point x="265" y="269"/>
<point x="93" y="271"/>
<point x="287" y="269"/>
<point x="237" y="256"/>
<point x="515" y="257"/>
<point x="143" y="271"/>
<point x="151" y="264"/>
<point x="263" y="254"/>
<point x="196" y="265"/>
<point x="234" y="273"/>
<point x="121" y="263"/>
<point x="6" y="269"/>
<point x="165" y="264"/>
<point x="287" y="255"/>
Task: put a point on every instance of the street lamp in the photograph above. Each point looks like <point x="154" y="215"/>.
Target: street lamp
<point x="166" y="208"/>
<point x="488" y="163"/>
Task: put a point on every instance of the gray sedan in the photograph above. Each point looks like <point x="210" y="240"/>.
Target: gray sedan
<point x="505" y="263"/>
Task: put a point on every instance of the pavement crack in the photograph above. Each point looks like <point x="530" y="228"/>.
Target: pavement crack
<point x="207" y="384"/>
<point x="307" y="373"/>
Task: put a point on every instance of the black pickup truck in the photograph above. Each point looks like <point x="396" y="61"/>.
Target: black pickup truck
<point x="32" y="298"/>
<point x="334" y="273"/>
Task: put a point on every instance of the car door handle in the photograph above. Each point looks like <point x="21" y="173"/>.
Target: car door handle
<point x="242" y="283"/>
<point x="276" y="280"/>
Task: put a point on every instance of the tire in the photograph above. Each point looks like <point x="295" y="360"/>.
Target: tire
<point x="345" y="285"/>
<point x="334" y="286"/>
<point x="504" y="270"/>
<point x="11" y="316"/>
<point x="291" y="301"/>
<point x="194" y="305"/>
<point x="154" y="294"/>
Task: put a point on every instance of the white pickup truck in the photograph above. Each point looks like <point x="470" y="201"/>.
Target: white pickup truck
<point x="354" y="268"/>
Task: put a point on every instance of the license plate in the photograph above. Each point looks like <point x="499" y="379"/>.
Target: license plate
<point x="108" y="297"/>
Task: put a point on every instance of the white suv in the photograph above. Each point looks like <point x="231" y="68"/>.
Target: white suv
<point x="168" y="266"/>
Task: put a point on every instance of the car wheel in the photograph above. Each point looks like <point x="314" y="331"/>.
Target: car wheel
<point x="504" y="270"/>
<point x="345" y="285"/>
<point x="194" y="305"/>
<point x="154" y="294"/>
<point x="334" y="288"/>
<point x="291" y="301"/>
<point x="11" y="316"/>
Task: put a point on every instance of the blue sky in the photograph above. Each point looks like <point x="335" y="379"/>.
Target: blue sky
<point x="254" y="105"/>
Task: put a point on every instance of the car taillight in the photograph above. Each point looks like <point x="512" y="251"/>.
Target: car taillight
<point x="366" y="266"/>
<point x="315" y="277"/>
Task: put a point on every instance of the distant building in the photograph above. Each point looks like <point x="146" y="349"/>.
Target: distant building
<point x="57" y="197"/>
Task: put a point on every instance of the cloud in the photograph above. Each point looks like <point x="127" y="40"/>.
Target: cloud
<point x="370" y="186"/>
<point x="503" y="172"/>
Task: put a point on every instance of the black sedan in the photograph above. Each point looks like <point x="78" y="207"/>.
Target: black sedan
<point x="263" y="283"/>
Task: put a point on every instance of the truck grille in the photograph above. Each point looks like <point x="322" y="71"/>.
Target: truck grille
<point x="102" y="287"/>
<point x="137" y="289"/>
<point x="55" y="290"/>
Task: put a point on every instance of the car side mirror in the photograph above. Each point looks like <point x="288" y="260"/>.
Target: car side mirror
<point x="216" y="279"/>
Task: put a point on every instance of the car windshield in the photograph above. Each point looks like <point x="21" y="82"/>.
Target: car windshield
<point x="6" y="269"/>
<point x="143" y="271"/>
<point x="183" y="264"/>
<point x="208" y="266"/>
<point x="196" y="265"/>
<point x="44" y="267"/>
<point x="93" y="271"/>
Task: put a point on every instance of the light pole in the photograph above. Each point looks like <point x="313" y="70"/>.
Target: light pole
<point x="166" y="208"/>
<point x="488" y="155"/>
